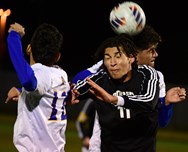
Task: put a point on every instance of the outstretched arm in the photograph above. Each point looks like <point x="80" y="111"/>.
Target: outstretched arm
<point x="24" y="71"/>
<point x="173" y="95"/>
<point x="97" y="91"/>
<point x="127" y="100"/>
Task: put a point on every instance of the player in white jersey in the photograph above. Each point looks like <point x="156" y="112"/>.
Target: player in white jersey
<point x="41" y="121"/>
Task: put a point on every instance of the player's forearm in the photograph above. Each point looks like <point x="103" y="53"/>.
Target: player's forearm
<point x="22" y="68"/>
<point x="165" y="113"/>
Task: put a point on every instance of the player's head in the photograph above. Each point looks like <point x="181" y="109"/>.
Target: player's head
<point x="119" y="55"/>
<point x="46" y="44"/>
<point x="146" y="44"/>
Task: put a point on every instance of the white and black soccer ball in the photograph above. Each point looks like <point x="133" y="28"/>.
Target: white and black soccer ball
<point x="127" y="17"/>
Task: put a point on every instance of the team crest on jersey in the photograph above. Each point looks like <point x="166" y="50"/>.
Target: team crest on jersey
<point x="122" y="93"/>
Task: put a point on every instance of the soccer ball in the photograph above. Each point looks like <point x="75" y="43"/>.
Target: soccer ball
<point x="127" y="17"/>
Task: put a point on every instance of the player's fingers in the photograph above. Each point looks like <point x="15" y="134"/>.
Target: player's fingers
<point x="7" y="100"/>
<point x="92" y="83"/>
<point x="10" y="98"/>
<point x="182" y="91"/>
<point x="92" y="91"/>
<point x="182" y="98"/>
<point x="15" y="99"/>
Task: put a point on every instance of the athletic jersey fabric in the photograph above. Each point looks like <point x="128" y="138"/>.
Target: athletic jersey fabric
<point x="133" y="126"/>
<point x="165" y="112"/>
<point x="164" y="116"/>
<point x="95" y="141"/>
<point x="41" y="116"/>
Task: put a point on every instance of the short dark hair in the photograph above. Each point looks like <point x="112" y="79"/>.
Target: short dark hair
<point x="147" y="38"/>
<point x="46" y="43"/>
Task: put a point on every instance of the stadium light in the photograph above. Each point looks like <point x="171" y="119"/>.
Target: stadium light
<point x="3" y="18"/>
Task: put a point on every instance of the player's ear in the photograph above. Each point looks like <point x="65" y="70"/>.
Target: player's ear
<point x="131" y="59"/>
<point x="28" y="50"/>
<point x="58" y="56"/>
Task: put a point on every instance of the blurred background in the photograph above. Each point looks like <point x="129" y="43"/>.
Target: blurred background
<point x="84" y="25"/>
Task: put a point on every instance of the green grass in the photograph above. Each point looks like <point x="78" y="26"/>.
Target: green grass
<point x="6" y="131"/>
<point x="173" y="141"/>
<point x="167" y="140"/>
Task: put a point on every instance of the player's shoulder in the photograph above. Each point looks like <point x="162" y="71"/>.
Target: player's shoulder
<point x="59" y="70"/>
<point x="48" y="71"/>
<point x="160" y="73"/>
<point x="147" y="68"/>
<point x="148" y="71"/>
<point x="44" y="67"/>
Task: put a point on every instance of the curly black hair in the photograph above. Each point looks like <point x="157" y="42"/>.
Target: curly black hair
<point x="147" y="38"/>
<point x="122" y="40"/>
<point x="46" y="43"/>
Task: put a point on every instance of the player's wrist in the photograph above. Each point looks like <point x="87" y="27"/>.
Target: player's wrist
<point x="120" y="101"/>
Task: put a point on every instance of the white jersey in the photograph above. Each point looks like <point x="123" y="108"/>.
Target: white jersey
<point x="95" y="141"/>
<point x="162" y="85"/>
<point x="41" y="122"/>
<point x="95" y="67"/>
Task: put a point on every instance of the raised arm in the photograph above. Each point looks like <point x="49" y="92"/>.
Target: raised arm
<point x="21" y="66"/>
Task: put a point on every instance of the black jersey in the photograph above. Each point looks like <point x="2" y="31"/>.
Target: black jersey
<point x="133" y="126"/>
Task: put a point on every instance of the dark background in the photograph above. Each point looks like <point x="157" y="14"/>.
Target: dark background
<point x="85" y="23"/>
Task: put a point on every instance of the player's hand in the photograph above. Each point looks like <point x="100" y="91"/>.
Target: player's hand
<point x="18" y="28"/>
<point x="74" y="94"/>
<point x="85" y="142"/>
<point x="13" y="95"/>
<point x="175" y="95"/>
<point x="100" y="93"/>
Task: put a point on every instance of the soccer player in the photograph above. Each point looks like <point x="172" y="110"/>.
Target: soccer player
<point x="146" y="43"/>
<point x="126" y="95"/>
<point x="41" y="119"/>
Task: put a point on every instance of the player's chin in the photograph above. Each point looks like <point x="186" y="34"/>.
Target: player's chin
<point x="152" y="64"/>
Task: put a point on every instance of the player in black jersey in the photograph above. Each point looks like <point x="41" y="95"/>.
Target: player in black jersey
<point x="126" y="98"/>
<point x="146" y="44"/>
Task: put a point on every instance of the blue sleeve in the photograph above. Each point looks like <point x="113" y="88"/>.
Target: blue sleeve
<point x="23" y="69"/>
<point x="85" y="73"/>
<point x="78" y="77"/>
<point x="83" y="87"/>
<point x="165" y="113"/>
<point x="81" y="76"/>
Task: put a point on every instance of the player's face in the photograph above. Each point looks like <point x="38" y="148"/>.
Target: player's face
<point x="147" y="56"/>
<point x="118" y="64"/>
